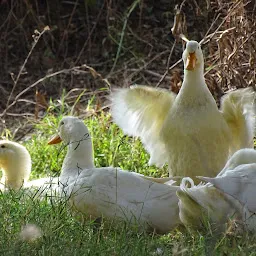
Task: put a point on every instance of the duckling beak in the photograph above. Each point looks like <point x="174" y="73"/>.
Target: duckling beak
<point x="55" y="140"/>
<point x="191" y="62"/>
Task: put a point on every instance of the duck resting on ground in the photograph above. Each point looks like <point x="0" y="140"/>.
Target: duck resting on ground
<point x="108" y="191"/>
<point x="241" y="157"/>
<point x="239" y="182"/>
<point x="222" y="197"/>
<point x="203" y="203"/>
<point x="187" y="130"/>
<point x="15" y="163"/>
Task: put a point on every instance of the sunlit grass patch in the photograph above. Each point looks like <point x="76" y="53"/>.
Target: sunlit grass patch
<point x="111" y="148"/>
<point x="60" y="233"/>
<point x="63" y="234"/>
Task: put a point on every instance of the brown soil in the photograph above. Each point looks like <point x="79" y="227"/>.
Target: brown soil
<point x="126" y="42"/>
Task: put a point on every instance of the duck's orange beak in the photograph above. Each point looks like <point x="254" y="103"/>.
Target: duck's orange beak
<point x="55" y="140"/>
<point x="191" y="62"/>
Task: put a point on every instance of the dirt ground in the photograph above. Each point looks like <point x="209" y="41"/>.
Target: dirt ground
<point x="45" y="44"/>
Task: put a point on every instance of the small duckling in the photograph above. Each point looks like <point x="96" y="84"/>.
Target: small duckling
<point x="15" y="163"/>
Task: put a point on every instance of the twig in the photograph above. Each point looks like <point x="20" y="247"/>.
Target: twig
<point x="134" y="4"/>
<point x="206" y="34"/>
<point x="139" y="38"/>
<point x="175" y="64"/>
<point x="67" y="28"/>
<point x="168" y="63"/>
<point x="90" y="34"/>
<point x="93" y="72"/>
<point x="36" y="38"/>
<point x="178" y="18"/>
<point x="154" y="58"/>
<point x="224" y="20"/>
<point x="21" y="115"/>
<point x="33" y="85"/>
<point x="151" y="73"/>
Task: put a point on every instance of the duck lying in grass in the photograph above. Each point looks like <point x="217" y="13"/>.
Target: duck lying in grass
<point x="239" y="182"/>
<point x="203" y="203"/>
<point x="228" y="195"/>
<point x="109" y="191"/>
<point x="15" y="163"/>
<point x="187" y="130"/>
<point x="241" y="157"/>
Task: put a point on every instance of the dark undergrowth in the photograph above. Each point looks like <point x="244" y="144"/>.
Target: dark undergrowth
<point x="45" y="43"/>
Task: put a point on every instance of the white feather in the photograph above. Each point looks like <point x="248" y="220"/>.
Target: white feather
<point x="140" y="111"/>
<point x="204" y="200"/>
<point x="109" y="191"/>
<point x="240" y="183"/>
<point x="187" y="131"/>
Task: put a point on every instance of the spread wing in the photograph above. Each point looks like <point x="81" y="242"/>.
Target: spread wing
<point x="140" y="111"/>
<point x="238" y="109"/>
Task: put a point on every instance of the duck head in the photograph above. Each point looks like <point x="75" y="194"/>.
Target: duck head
<point x="71" y="129"/>
<point x="193" y="56"/>
<point x="15" y="162"/>
<point x="75" y="134"/>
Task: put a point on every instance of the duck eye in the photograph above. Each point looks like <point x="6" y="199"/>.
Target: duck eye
<point x="2" y="146"/>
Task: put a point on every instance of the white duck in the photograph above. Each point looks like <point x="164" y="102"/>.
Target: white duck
<point x="204" y="203"/>
<point x="241" y="157"/>
<point x="218" y="205"/>
<point x="240" y="183"/>
<point x="15" y="162"/>
<point x="187" y="131"/>
<point x="109" y="191"/>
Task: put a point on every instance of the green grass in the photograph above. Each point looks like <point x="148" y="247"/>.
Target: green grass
<point x="111" y="148"/>
<point x="63" y="234"/>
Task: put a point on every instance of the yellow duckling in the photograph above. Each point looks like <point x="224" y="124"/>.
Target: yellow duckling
<point x="187" y="130"/>
<point x="15" y="163"/>
<point x="109" y="191"/>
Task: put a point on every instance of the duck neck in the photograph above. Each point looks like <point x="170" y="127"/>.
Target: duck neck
<point x="196" y="77"/>
<point x="78" y="157"/>
<point x="194" y="88"/>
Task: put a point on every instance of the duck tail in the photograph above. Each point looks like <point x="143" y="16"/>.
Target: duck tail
<point x="183" y="185"/>
<point x="189" y="209"/>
